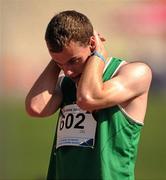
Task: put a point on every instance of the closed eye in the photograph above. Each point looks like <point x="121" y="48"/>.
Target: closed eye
<point x="74" y="61"/>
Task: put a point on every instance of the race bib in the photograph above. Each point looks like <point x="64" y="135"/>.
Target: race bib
<point x="75" y="127"/>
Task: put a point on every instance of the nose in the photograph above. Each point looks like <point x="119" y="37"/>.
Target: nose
<point x="68" y="71"/>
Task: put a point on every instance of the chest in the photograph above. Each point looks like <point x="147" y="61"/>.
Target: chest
<point x="76" y="127"/>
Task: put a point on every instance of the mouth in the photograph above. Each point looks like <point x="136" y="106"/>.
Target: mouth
<point x="76" y="78"/>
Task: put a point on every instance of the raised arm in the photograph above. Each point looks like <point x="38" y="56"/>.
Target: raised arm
<point x="45" y="95"/>
<point x="132" y="80"/>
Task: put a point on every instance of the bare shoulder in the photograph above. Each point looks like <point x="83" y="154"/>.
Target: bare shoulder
<point x="136" y="79"/>
<point x="136" y="69"/>
<point x="138" y="73"/>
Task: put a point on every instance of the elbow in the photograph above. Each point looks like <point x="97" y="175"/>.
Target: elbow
<point x="86" y="102"/>
<point x="31" y="112"/>
<point x="32" y="109"/>
<point x="88" y="99"/>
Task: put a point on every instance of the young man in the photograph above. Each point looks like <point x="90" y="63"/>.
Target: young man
<point x="102" y="103"/>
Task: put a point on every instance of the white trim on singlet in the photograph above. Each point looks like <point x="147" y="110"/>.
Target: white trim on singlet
<point x="120" y="107"/>
<point x="60" y="79"/>
<point x="108" y="62"/>
<point x="118" y="68"/>
<point x="130" y="117"/>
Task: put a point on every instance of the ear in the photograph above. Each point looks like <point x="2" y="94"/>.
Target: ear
<point x="92" y="43"/>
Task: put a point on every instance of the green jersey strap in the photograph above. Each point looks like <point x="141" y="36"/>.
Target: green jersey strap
<point x="111" y="68"/>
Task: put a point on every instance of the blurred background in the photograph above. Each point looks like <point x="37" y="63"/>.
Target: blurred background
<point x="135" y="31"/>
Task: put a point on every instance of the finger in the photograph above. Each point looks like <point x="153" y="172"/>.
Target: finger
<point x="101" y="37"/>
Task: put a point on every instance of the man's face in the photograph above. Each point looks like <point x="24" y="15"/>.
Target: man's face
<point x="72" y="59"/>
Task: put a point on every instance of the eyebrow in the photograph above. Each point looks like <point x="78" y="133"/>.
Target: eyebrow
<point x="73" y="58"/>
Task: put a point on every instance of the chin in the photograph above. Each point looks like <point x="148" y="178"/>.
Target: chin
<point x="76" y="79"/>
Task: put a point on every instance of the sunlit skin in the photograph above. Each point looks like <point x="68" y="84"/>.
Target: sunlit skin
<point x="128" y="88"/>
<point x="125" y="91"/>
<point x="72" y="59"/>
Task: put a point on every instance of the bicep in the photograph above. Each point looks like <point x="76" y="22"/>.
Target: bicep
<point x="131" y="81"/>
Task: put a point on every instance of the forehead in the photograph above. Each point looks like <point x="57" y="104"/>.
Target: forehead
<point x="73" y="50"/>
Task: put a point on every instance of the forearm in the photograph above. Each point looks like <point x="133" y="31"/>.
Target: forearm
<point x="43" y="89"/>
<point x="131" y="81"/>
<point x="90" y="88"/>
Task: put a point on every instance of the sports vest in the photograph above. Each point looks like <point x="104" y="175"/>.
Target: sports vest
<point x="108" y="153"/>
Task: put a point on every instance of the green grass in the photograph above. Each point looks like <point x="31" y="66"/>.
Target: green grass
<point x="26" y="142"/>
<point x="151" y="161"/>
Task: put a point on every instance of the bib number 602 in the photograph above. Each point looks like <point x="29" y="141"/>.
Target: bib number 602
<point x="72" y="121"/>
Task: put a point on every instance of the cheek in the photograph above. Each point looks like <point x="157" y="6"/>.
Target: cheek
<point x="83" y="62"/>
<point x="81" y="66"/>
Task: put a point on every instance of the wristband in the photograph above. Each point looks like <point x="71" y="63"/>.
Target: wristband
<point x="95" y="53"/>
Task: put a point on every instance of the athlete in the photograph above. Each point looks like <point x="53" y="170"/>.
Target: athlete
<point x="102" y="102"/>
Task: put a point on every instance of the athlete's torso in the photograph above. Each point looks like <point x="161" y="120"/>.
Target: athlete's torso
<point x="101" y="145"/>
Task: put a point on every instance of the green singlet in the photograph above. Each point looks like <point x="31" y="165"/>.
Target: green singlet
<point x="101" y="145"/>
